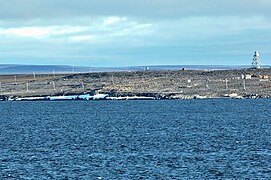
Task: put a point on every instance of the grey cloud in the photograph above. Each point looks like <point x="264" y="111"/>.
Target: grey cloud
<point x="13" y="9"/>
<point x="194" y="30"/>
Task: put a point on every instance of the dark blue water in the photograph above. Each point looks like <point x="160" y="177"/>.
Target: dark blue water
<point x="193" y="139"/>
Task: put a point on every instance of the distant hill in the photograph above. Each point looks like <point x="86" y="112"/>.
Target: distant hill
<point x="47" y="69"/>
<point x="28" y="69"/>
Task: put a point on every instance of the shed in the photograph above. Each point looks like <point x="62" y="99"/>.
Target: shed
<point x="248" y="76"/>
<point x="265" y="77"/>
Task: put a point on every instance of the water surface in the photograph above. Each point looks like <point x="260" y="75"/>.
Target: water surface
<point x="191" y="139"/>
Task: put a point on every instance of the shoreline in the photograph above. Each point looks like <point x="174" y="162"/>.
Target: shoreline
<point x="128" y="98"/>
<point x="162" y="84"/>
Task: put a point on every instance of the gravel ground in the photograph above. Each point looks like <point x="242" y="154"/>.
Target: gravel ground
<point x="161" y="84"/>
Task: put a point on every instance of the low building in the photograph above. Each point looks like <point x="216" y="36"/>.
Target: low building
<point x="265" y="77"/>
<point x="246" y="76"/>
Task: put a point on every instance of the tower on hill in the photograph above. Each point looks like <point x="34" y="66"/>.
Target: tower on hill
<point x="256" y="64"/>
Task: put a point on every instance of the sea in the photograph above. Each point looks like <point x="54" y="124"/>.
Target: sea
<point x="12" y="69"/>
<point x="158" y="139"/>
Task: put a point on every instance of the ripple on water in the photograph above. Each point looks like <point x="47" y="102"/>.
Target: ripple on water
<point x="214" y="139"/>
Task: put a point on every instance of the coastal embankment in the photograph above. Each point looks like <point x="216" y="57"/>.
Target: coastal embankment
<point x="173" y="84"/>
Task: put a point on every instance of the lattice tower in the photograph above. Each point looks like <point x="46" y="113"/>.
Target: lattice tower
<point x="256" y="63"/>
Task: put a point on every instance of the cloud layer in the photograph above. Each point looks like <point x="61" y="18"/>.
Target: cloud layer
<point x="142" y="8"/>
<point x="143" y="32"/>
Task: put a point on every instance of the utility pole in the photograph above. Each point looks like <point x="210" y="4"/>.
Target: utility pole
<point x="113" y="80"/>
<point x="15" y="80"/>
<point x="143" y="82"/>
<point x="27" y="87"/>
<point x="54" y="86"/>
<point x="207" y="83"/>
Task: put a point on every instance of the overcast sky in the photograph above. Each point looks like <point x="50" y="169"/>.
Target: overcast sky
<point x="134" y="32"/>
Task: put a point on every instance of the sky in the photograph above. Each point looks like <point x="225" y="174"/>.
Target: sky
<point x="134" y="32"/>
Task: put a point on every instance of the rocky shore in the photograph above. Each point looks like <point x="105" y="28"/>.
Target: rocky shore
<point x="178" y="84"/>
